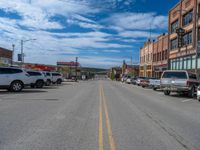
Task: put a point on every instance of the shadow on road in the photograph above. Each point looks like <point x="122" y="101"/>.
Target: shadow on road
<point x="25" y="91"/>
<point x="181" y="96"/>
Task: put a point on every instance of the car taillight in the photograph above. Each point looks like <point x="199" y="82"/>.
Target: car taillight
<point x="188" y="83"/>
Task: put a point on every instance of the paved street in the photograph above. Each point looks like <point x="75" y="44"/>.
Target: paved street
<point x="98" y="115"/>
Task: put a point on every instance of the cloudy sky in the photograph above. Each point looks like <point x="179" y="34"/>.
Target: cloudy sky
<point x="102" y="33"/>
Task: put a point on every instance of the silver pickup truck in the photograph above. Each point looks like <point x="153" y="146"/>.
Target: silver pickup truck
<point x="180" y="82"/>
<point x="154" y="84"/>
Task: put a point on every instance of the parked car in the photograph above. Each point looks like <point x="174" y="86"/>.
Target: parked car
<point x="48" y="78"/>
<point x="198" y="93"/>
<point x="56" y="78"/>
<point x="180" y="82"/>
<point x="37" y="79"/>
<point x="139" y="79"/>
<point x="128" y="80"/>
<point x="13" y="79"/>
<point x="154" y="83"/>
<point x="124" y="78"/>
<point x="144" y="82"/>
<point x="133" y="80"/>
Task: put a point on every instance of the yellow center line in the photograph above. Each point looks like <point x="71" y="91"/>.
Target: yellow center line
<point x="101" y="147"/>
<point x="108" y="123"/>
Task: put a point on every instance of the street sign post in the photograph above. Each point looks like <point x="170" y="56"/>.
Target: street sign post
<point x="19" y="57"/>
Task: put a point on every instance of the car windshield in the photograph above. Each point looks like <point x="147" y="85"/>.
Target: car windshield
<point x="99" y="74"/>
<point x="178" y="75"/>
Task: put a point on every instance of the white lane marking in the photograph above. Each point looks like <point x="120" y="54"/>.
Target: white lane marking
<point x="187" y="100"/>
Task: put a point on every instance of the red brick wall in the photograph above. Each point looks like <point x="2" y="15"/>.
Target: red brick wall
<point x="5" y="53"/>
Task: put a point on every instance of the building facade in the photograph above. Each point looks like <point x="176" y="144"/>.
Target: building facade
<point x="146" y="59"/>
<point x="5" y="56"/>
<point x="69" y="69"/>
<point x="160" y="55"/>
<point x="132" y="70"/>
<point x="185" y="15"/>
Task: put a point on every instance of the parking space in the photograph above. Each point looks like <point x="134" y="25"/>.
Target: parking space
<point x="159" y="94"/>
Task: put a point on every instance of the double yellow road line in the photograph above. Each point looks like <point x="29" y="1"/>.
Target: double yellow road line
<point x="103" y="106"/>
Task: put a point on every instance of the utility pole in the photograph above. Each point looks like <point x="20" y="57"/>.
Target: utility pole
<point x="131" y="60"/>
<point x="22" y="49"/>
<point x="76" y="67"/>
<point x="22" y="52"/>
<point x="13" y="46"/>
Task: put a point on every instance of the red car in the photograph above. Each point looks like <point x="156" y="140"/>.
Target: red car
<point x="145" y="82"/>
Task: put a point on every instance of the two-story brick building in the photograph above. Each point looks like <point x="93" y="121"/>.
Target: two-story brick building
<point x="184" y="15"/>
<point x="160" y="55"/>
<point x="146" y="59"/>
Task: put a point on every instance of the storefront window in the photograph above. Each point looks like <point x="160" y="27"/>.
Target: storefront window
<point x="185" y="63"/>
<point x="178" y="64"/>
<point x="193" y="62"/>
<point x="181" y="64"/>
<point x="198" y="63"/>
<point x="171" y="65"/>
<point x="174" y="65"/>
<point x="189" y="63"/>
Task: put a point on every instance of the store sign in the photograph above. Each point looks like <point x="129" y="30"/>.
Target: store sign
<point x="180" y="32"/>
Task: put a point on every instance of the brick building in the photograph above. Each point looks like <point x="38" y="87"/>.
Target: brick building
<point x="132" y="70"/>
<point x="5" y="56"/>
<point x="146" y="59"/>
<point x="184" y="15"/>
<point x="69" y="69"/>
<point x="160" y="55"/>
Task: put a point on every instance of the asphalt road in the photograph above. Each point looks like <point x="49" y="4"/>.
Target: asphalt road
<point x="98" y="115"/>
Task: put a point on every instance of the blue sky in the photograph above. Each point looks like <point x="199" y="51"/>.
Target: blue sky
<point x="102" y="33"/>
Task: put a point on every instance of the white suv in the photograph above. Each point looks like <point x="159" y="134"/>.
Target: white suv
<point x="13" y="79"/>
<point x="37" y="79"/>
<point x="48" y="78"/>
<point x="57" y="77"/>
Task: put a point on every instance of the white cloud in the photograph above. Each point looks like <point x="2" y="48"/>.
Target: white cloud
<point x="138" y="34"/>
<point x="112" y="51"/>
<point x="137" y="21"/>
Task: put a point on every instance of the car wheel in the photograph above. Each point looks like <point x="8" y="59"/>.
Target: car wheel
<point x="39" y="84"/>
<point x="191" y="93"/>
<point x="167" y="92"/>
<point x="48" y="83"/>
<point x="154" y="88"/>
<point x="59" y="81"/>
<point x="16" y="86"/>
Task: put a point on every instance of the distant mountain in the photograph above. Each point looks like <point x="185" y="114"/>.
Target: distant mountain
<point x="93" y="70"/>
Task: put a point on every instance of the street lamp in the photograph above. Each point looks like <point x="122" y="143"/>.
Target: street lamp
<point x="22" y="48"/>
